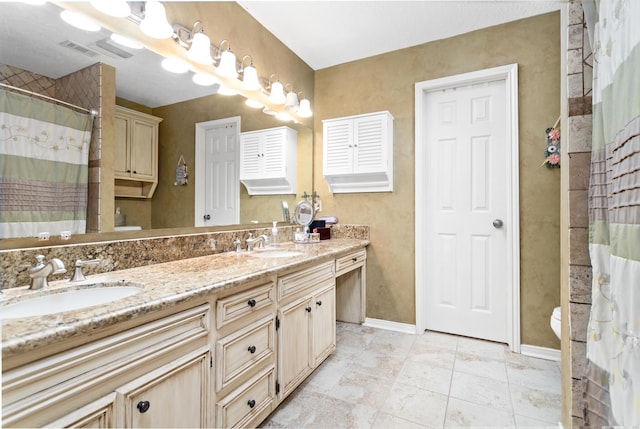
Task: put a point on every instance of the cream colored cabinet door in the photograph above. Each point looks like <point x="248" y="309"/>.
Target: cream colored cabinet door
<point x="174" y="395"/>
<point x="324" y="324"/>
<point x="144" y="144"/>
<point x="295" y="360"/>
<point x="121" y="166"/>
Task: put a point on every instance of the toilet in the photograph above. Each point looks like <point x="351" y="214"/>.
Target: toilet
<point x="555" y="321"/>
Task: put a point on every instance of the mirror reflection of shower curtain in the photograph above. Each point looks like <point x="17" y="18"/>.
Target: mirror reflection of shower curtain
<point x="44" y="156"/>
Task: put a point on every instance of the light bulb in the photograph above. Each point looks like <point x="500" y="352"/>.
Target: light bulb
<point x="277" y="94"/>
<point x="175" y="65"/>
<point x="155" y="22"/>
<point x="250" y="80"/>
<point x="227" y="66"/>
<point x="200" y="50"/>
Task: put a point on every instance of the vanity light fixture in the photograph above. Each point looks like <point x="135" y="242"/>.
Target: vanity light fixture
<point x="125" y="41"/>
<point x="79" y="21"/>
<point x="277" y="92"/>
<point x="175" y="65"/>
<point x="250" y="80"/>
<point x="304" y="111"/>
<point x="196" y="43"/>
<point x="291" y="104"/>
<point x="227" y="65"/>
<point x="268" y="111"/>
<point x="224" y="90"/>
<point x="283" y="117"/>
<point x="255" y="104"/>
<point x="204" y="79"/>
<point x="155" y="24"/>
<point x="115" y="8"/>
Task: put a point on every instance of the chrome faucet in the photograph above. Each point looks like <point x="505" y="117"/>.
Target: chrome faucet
<point x="78" y="275"/>
<point x="261" y="240"/>
<point x="41" y="271"/>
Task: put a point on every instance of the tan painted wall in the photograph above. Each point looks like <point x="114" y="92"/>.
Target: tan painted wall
<point x="386" y="82"/>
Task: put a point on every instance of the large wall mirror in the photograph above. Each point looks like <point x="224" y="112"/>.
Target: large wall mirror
<point x="50" y="47"/>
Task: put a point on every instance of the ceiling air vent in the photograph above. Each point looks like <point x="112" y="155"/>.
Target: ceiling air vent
<point x="79" y="48"/>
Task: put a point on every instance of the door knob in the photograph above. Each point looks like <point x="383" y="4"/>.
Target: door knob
<point x="497" y="223"/>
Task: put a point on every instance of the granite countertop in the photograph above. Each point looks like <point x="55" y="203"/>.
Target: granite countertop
<point x="164" y="285"/>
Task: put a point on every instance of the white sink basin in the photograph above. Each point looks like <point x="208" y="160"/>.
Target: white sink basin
<point x="275" y="253"/>
<point x="67" y="301"/>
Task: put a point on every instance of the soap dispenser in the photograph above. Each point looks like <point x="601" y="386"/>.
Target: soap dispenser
<point x="274" y="234"/>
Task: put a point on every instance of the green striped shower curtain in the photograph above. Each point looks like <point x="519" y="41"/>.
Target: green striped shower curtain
<point x="44" y="155"/>
<point x="612" y="386"/>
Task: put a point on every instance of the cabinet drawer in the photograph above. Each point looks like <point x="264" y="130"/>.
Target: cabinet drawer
<point x="249" y="404"/>
<point x="300" y="280"/>
<point x="243" y="350"/>
<point x="348" y="262"/>
<point x="243" y="304"/>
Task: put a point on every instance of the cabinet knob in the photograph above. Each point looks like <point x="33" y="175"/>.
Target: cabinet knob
<point x="251" y="403"/>
<point x="354" y="259"/>
<point x="318" y="303"/>
<point x="143" y="406"/>
<point x="207" y="217"/>
<point x="252" y="349"/>
<point x="128" y="171"/>
<point x="308" y="309"/>
<point x="251" y="303"/>
<point x="135" y="172"/>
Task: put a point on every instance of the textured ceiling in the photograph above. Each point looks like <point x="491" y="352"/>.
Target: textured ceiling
<point x="327" y="33"/>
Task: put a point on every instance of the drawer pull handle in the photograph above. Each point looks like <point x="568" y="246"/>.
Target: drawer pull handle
<point x="318" y="303"/>
<point x="251" y="303"/>
<point x="143" y="406"/>
<point x="251" y="403"/>
<point x="308" y="309"/>
<point x="252" y="349"/>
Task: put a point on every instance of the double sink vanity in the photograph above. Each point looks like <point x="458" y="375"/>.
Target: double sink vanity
<point x="210" y="341"/>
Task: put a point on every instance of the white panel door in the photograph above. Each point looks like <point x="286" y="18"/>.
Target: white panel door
<point x="217" y="172"/>
<point x="467" y="283"/>
<point x="221" y="197"/>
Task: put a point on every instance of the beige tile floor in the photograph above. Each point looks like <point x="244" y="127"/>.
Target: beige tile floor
<point x="381" y="380"/>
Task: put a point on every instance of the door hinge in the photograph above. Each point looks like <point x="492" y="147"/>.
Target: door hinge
<point x="277" y="387"/>
<point x="210" y="361"/>
<point x="277" y="323"/>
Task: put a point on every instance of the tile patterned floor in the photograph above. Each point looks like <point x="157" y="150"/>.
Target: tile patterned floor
<point x="380" y="379"/>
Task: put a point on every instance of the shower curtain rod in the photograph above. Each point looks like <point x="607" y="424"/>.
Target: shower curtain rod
<point x="90" y="111"/>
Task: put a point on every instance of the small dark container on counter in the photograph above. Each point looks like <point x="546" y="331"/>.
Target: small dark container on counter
<point x="325" y="233"/>
<point x="317" y="224"/>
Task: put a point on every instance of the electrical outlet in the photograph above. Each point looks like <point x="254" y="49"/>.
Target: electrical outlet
<point x="318" y="205"/>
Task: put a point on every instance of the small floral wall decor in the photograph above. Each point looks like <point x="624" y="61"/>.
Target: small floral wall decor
<point x="552" y="152"/>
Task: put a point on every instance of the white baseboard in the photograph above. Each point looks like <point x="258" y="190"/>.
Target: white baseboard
<point x="540" y="352"/>
<point x="390" y="326"/>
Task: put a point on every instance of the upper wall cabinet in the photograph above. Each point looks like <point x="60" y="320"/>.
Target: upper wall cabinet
<point x="269" y="161"/>
<point x="358" y="153"/>
<point x="136" y="153"/>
